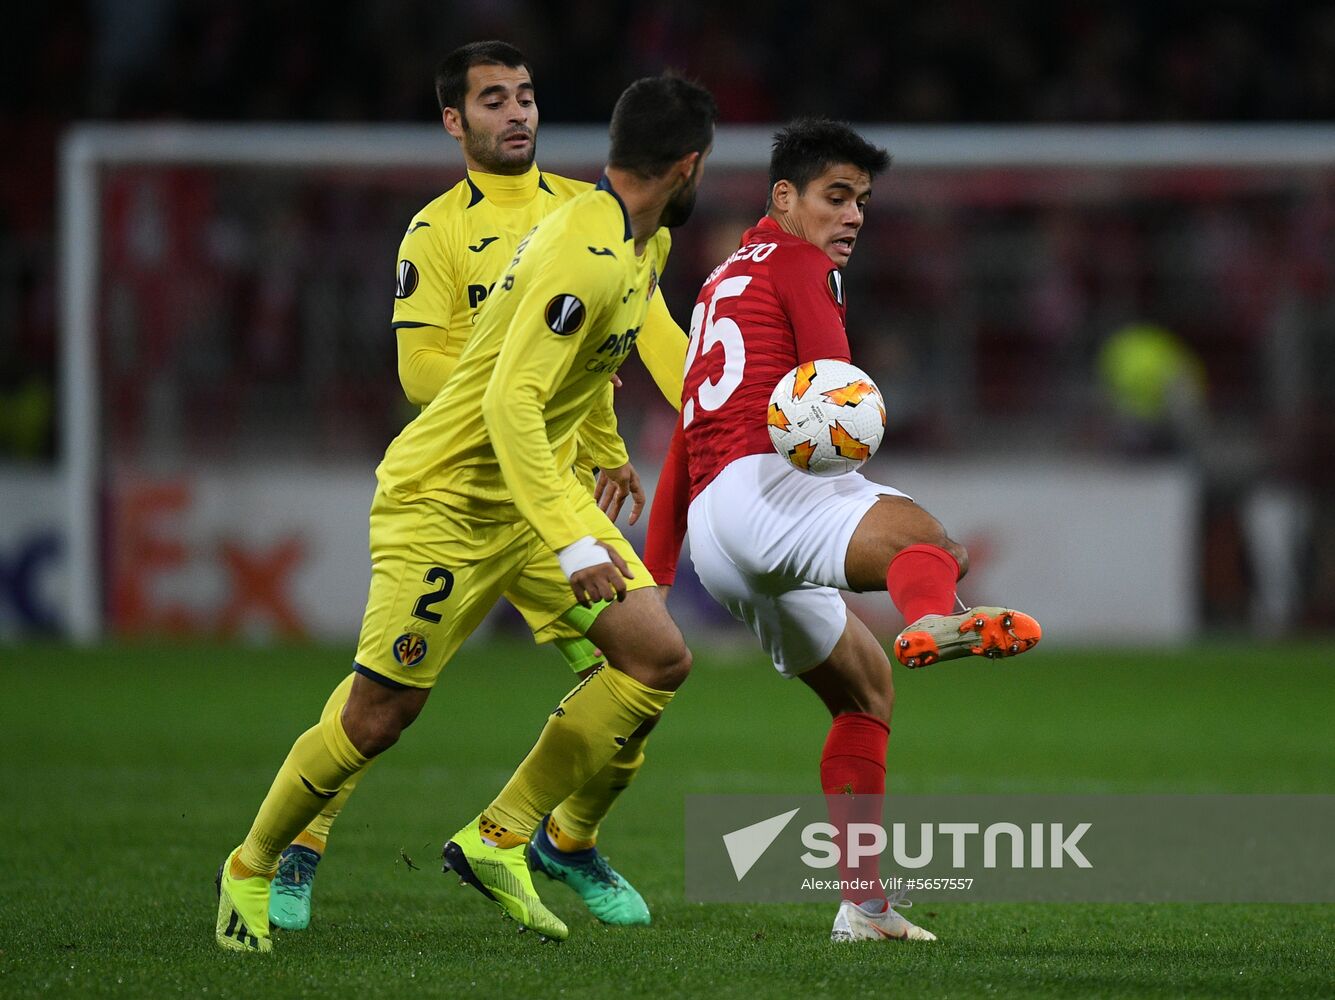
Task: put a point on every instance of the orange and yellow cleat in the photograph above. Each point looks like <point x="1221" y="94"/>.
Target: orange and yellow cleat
<point x="990" y="632"/>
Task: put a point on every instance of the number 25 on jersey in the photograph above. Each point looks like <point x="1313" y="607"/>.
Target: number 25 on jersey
<point x="708" y="333"/>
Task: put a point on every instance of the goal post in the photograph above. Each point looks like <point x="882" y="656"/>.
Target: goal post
<point x="89" y="150"/>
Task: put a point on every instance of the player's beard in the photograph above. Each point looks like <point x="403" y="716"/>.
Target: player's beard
<point x="490" y="154"/>
<point x="680" y="205"/>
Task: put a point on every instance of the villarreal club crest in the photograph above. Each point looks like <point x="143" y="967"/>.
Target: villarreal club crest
<point x="410" y="648"/>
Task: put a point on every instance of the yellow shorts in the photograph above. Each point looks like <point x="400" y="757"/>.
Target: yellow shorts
<point x="436" y="571"/>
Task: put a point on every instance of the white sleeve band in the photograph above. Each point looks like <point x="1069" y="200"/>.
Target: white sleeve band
<point x="581" y="555"/>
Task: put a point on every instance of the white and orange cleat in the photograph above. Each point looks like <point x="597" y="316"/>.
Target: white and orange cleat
<point x="990" y="632"/>
<point x="854" y="923"/>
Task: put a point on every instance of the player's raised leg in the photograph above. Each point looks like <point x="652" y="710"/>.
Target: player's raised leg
<point x="901" y="548"/>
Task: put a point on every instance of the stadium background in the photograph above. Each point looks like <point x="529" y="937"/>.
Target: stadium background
<point x="246" y="387"/>
<point x="242" y="313"/>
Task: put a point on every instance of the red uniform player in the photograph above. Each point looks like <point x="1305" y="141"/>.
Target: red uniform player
<point x="775" y="546"/>
<point x="777" y="298"/>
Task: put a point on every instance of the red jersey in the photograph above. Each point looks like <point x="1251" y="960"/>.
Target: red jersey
<point x="776" y="302"/>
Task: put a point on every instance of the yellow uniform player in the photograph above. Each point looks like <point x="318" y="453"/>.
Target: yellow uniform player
<point x="451" y="256"/>
<point x="473" y="503"/>
<point x="481" y="462"/>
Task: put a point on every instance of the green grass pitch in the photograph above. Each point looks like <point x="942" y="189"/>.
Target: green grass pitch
<point x="132" y="771"/>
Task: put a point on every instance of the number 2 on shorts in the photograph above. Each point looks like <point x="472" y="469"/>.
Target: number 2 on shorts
<point x="422" y="609"/>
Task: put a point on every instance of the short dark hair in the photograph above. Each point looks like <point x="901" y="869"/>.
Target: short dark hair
<point x="658" y="120"/>
<point x="804" y="149"/>
<point x="452" y="74"/>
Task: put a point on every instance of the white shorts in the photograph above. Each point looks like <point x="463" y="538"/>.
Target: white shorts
<point x="769" y="543"/>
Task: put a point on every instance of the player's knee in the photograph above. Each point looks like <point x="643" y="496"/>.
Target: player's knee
<point x="373" y="734"/>
<point x="373" y="729"/>
<point x="642" y="641"/>
<point x="678" y="668"/>
<point x="939" y="539"/>
<point x="669" y="667"/>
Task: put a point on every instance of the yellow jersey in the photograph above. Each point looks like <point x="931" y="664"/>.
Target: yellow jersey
<point x="565" y="315"/>
<point x="449" y="259"/>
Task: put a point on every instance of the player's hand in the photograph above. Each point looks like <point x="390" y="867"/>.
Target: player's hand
<point x="614" y="486"/>
<point x="615" y="379"/>
<point x="604" y="581"/>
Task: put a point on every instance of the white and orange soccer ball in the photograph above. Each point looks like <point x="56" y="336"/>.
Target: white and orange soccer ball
<point x="826" y="417"/>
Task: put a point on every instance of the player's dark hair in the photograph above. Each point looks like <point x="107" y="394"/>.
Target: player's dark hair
<point x="452" y="74"/>
<point x="804" y="149"/>
<point x="658" y="120"/>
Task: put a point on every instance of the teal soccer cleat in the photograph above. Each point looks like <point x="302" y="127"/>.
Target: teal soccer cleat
<point x="605" y="891"/>
<point x="290" y="891"/>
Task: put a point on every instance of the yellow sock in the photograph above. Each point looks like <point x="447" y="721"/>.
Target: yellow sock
<point x="577" y="818"/>
<point x="316" y="834"/>
<point x="240" y="870"/>
<point x="310" y="841"/>
<point x="319" y="764"/>
<point x="590" y="726"/>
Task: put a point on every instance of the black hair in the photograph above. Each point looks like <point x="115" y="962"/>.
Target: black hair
<point x="658" y="120"/>
<point x="806" y="148"/>
<point x="452" y="74"/>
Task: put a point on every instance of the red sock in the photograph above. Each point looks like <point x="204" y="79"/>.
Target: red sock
<point x="852" y="773"/>
<point x="921" y="581"/>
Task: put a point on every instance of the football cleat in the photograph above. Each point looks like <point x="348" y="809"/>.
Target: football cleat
<point x="990" y="632"/>
<point x="501" y="874"/>
<point x="290" y="893"/>
<point x="243" y="910"/>
<point x="853" y="923"/>
<point x="604" y="890"/>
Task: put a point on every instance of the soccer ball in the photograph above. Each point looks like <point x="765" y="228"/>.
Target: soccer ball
<point x="826" y="417"/>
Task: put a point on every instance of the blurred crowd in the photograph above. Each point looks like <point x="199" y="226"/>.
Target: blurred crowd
<point x="870" y="60"/>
